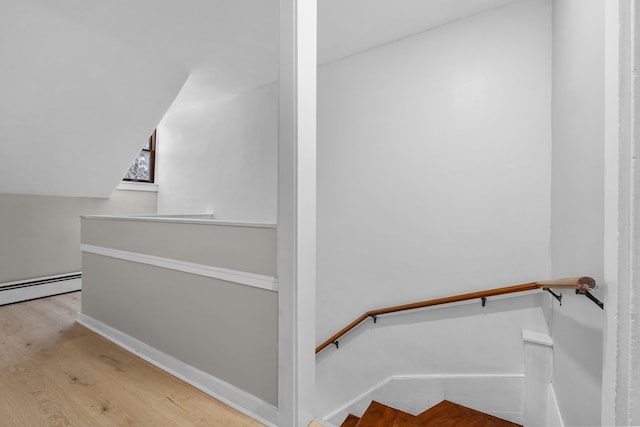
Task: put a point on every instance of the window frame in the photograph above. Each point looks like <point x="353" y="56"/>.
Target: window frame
<point x="152" y="160"/>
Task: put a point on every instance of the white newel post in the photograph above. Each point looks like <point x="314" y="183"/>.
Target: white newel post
<point x="297" y="212"/>
<point x="538" y="362"/>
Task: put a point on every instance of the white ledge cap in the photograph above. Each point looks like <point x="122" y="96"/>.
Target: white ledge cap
<point x="537" y="338"/>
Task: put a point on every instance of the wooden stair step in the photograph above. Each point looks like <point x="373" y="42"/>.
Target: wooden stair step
<point x="444" y="414"/>
<point x="449" y="414"/>
<point x="379" y="415"/>
<point x="350" y="421"/>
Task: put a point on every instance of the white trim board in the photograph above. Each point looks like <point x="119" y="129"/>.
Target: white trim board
<point x="537" y="338"/>
<point x="38" y="290"/>
<point x="261" y="281"/>
<point x="421" y="377"/>
<point x="137" y="186"/>
<point x="227" y="393"/>
<point x="554" y="416"/>
<point x="180" y="219"/>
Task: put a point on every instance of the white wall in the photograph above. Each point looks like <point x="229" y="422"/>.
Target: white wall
<point x="577" y="208"/>
<point x="221" y="157"/>
<point x="468" y="342"/>
<point x="434" y="164"/>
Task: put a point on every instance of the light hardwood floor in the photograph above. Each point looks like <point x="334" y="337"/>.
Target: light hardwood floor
<point x="55" y="372"/>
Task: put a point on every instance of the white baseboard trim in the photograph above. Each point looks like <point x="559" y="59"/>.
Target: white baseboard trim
<point x="24" y="290"/>
<point x="241" y="277"/>
<point x="227" y="393"/>
<point x="554" y="416"/>
<point x="388" y="380"/>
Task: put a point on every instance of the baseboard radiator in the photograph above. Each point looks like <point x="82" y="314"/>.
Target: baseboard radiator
<point x="24" y="290"/>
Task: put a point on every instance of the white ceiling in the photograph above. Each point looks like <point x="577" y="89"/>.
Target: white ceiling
<point x="230" y="46"/>
<point x="236" y="48"/>
<point x="84" y="82"/>
<point x="75" y="107"/>
<point x="346" y="27"/>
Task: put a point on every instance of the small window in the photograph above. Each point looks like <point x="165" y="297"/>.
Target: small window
<point x="143" y="167"/>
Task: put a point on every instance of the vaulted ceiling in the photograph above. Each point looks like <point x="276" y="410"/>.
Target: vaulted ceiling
<point x="84" y="82"/>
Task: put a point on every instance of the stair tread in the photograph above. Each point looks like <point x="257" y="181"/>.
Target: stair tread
<point x="449" y="414"/>
<point x="444" y="414"/>
<point x="379" y="415"/>
<point x="350" y="421"/>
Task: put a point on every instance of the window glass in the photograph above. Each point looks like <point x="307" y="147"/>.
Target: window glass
<point x="142" y="169"/>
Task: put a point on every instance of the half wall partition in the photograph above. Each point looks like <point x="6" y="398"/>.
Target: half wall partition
<point x="193" y="295"/>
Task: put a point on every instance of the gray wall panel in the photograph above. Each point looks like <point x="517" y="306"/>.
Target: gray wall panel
<point x="189" y="318"/>
<point x="41" y="234"/>
<point x="249" y="249"/>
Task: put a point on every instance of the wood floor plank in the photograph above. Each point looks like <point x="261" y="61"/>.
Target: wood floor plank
<point x="70" y="301"/>
<point x="96" y="393"/>
<point x="55" y="372"/>
<point x="102" y="375"/>
<point x="185" y="406"/>
<point x="33" y="399"/>
<point x="28" y="344"/>
<point x="131" y="372"/>
<point x="9" y="414"/>
<point x="110" y="404"/>
<point x="11" y="322"/>
<point x="54" y="314"/>
<point x="10" y="353"/>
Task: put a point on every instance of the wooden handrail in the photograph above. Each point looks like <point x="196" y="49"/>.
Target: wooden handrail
<point x="581" y="284"/>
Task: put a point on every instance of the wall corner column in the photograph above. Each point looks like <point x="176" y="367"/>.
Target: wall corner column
<point x="620" y="395"/>
<point x="297" y="212"/>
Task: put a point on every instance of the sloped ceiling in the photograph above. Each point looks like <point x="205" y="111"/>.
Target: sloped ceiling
<point x="75" y="104"/>
<point x="346" y="27"/>
<point x="84" y="82"/>
<point x="227" y="46"/>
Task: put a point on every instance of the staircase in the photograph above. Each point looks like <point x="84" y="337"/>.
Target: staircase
<point x="444" y="414"/>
